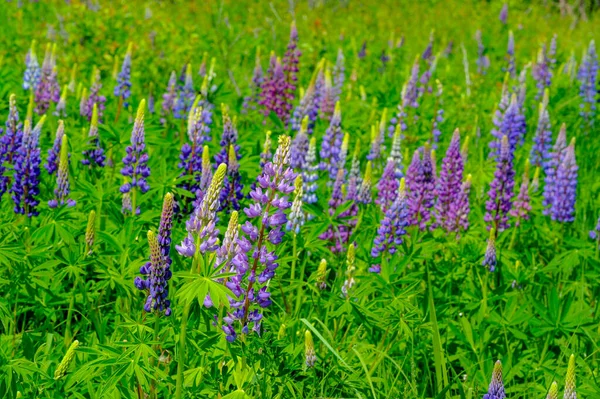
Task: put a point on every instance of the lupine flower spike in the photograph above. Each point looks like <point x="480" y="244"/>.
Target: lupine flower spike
<point x="322" y="275"/>
<point x="332" y="143"/>
<point x="501" y="193"/>
<point x="364" y="193"/>
<point x="53" y="159"/>
<point x="94" y="97"/>
<point x="496" y="389"/>
<point x="570" y="392"/>
<point x="522" y="206"/>
<point x="33" y="74"/>
<point x="595" y="233"/>
<point x="449" y="185"/>
<point x="62" y="178"/>
<point x="420" y="180"/>
<point x="553" y="391"/>
<point x="123" y="88"/>
<point x="66" y="361"/>
<point x="309" y="350"/>
<point x="61" y="106"/>
<point x="565" y="187"/>
<point x="310" y="173"/>
<point x="489" y="259"/>
<point x="300" y="146"/>
<point x="296" y="218"/>
<point x="94" y="156"/>
<point x="9" y="142"/>
<point x="588" y="77"/>
<point x="510" y="55"/>
<point x="387" y="186"/>
<point x="90" y="233"/>
<point x="540" y="152"/>
<point x="350" y="271"/>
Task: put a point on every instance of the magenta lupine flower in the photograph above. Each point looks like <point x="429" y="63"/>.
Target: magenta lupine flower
<point x="274" y="91"/>
<point x="504" y="14"/>
<point x="251" y="100"/>
<point x="588" y="78"/>
<point x="542" y="141"/>
<point x="48" y="89"/>
<point x="541" y="72"/>
<point x="255" y="263"/>
<point x="387" y="186"/>
<point x="510" y="55"/>
<point x="496" y="389"/>
<point x="512" y="126"/>
<point x="53" y="159"/>
<point x="522" y="207"/>
<point x="310" y="173"/>
<point x="331" y="144"/>
<point x="9" y="143"/>
<point x="449" y="185"/>
<point x="483" y="61"/>
<point x="33" y="74"/>
<point x="94" y="97"/>
<point x="62" y="190"/>
<point x="420" y="180"/>
<point x="565" y="187"/>
<point x="501" y="190"/>
<point x="300" y="146"/>
<point x="392" y="228"/>
<point x="94" y="155"/>
<point x="556" y="156"/>
<point x="123" y="88"/>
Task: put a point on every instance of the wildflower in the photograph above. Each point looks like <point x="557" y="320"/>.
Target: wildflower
<point x="123" y="88"/>
<point x="157" y="283"/>
<point x="350" y="271"/>
<point x="510" y="55"/>
<point x="251" y="101"/>
<point x="296" y="218"/>
<point x="48" y="89"/>
<point x="396" y="153"/>
<point x="33" y="74"/>
<point x="501" y="190"/>
<point x="512" y="126"/>
<point x="565" y="187"/>
<point x="231" y="193"/>
<point x="541" y="72"/>
<point x="504" y="13"/>
<point x="310" y="173"/>
<point x="387" y="186"/>
<point x="522" y="206"/>
<point x="490" y="259"/>
<point x="449" y="184"/>
<point x="322" y="275"/>
<point x="62" y="178"/>
<point x="309" y="350"/>
<point x="540" y="152"/>
<point x="553" y="391"/>
<point x="483" y="61"/>
<point x="588" y="76"/>
<point x="90" y="233"/>
<point x="61" y="106"/>
<point x="570" y="380"/>
<point x="54" y="152"/>
<point x="274" y="95"/>
<point x="420" y="180"/>
<point x="170" y="96"/>
<point x="496" y="389"/>
<point x="185" y="95"/>
<point x="9" y="142"/>
<point x="94" y="155"/>
<point x="66" y="361"/>
<point x="94" y="97"/>
<point x="364" y="193"/>
<point x="300" y="146"/>
<point x="332" y="142"/>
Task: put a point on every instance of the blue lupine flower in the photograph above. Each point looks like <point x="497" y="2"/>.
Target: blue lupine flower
<point x="123" y="88"/>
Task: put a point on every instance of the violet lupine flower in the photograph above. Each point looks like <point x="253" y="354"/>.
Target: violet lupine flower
<point x="504" y="14"/>
<point x="387" y="187"/>
<point x="510" y="56"/>
<point x="542" y="141"/>
<point x="251" y="100"/>
<point x="201" y="226"/>
<point x="33" y="74"/>
<point x="489" y="258"/>
<point x="61" y="106"/>
<point x="94" y="97"/>
<point x="496" y="389"/>
<point x="428" y="52"/>
<point x="291" y="60"/>
<point x="308" y="107"/>
<point x="327" y="96"/>
<point x="48" y="89"/>
<point x="512" y="127"/>
<point x="185" y="95"/>
<point x="408" y="99"/>
<point x="460" y="208"/>
<point x="565" y="187"/>
<point x="377" y="138"/>
<point x="170" y="96"/>
<point x="158" y="269"/>
<point x="296" y="218"/>
<point x="54" y="153"/>
<point x="483" y="61"/>
<point x="274" y="91"/>
<point x="300" y="146"/>
<point x="25" y="187"/>
<point x="136" y="160"/>
<point x="62" y="190"/>
<point x="232" y="193"/>
<point x="556" y="156"/>
<point x="588" y="78"/>
<point x="501" y="190"/>
<point x="595" y="233"/>
<point x="364" y="193"/>
<point x="396" y="152"/>
<point x="310" y="173"/>
<point x="229" y="138"/>
<point x="420" y="180"/>
<point x="522" y="206"/>
<point x="270" y="197"/>
<point x="426" y="77"/>
<point x="339" y="75"/>
<point x="9" y="142"/>
<point x="392" y="228"/>
<point x="354" y="175"/>
<point x="541" y="72"/>
<point x="123" y="88"/>
<point x="332" y="142"/>
<point x="94" y="155"/>
<point x="205" y="178"/>
<point x="449" y="185"/>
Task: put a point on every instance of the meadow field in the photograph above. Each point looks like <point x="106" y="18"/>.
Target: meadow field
<point x="299" y="199"/>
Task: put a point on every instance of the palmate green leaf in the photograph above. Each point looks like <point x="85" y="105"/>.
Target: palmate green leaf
<point x="196" y="287"/>
<point x="238" y="394"/>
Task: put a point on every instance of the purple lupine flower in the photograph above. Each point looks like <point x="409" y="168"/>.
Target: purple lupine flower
<point x="337" y="237"/>
<point x="300" y="146"/>
<point x="363" y="50"/>
<point x="25" y="187"/>
<point x="232" y="193"/>
<point x="483" y="61"/>
<point x="53" y="159"/>
<point x="542" y="141"/>
<point x="123" y="88"/>
<point x="501" y="190"/>
<point x="466" y="69"/>
<point x="521" y="89"/>
<point x="408" y="99"/>
<point x="588" y="78"/>
<point x="206" y="176"/>
<point x="94" y="97"/>
<point x="426" y="77"/>
<point x="94" y="155"/>
<point x="377" y="138"/>
<point x="595" y="233"/>
<point x="170" y="96"/>
<point x="33" y="74"/>
<point x="136" y="160"/>
<point x="310" y="173"/>
<point x="396" y="152"/>
<point x="327" y="95"/>
<point x="307" y="108"/>
<point x="61" y="106"/>
<point x="364" y="195"/>
<point x="251" y="100"/>
<point x="274" y="91"/>
<point x="439" y="115"/>
<point x="190" y="158"/>
<point x="504" y="14"/>
<point x="512" y="126"/>
<point x="332" y="142"/>
<point x="354" y="175"/>
<point x="228" y="138"/>
<point x="565" y="187"/>
<point x="449" y="185"/>
<point x="48" y="89"/>
<point x="428" y="52"/>
<point x="510" y="55"/>
<point x="392" y="227"/>
<point x="420" y="179"/>
<point x="541" y="72"/>
<point x="552" y="52"/>
<point x="296" y="219"/>
<point x="339" y="75"/>
<point x="556" y="156"/>
<point x="62" y="190"/>
<point x="185" y="95"/>
<point x="387" y="187"/>
<point x="522" y="206"/>
<point x="291" y="60"/>
<point x="9" y="143"/>
<point x="496" y="389"/>
<point x="270" y="202"/>
<point x="460" y="208"/>
<point x="158" y="269"/>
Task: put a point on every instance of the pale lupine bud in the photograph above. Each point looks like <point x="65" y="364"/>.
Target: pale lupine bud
<point x="296" y="218"/>
<point x="350" y="270"/>
<point x="364" y="193"/>
<point x="61" y="106"/>
<point x="310" y="173"/>
<point x="90" y="233"/>
<point x="553" y="392"/>
<point x="63" y="367"/>
<point x="490" y="259"/>
<point x="62" y="178"/>
<point x="322" y="275"/>
<point x="496" y="389"/>
<point x="309" y="349"/>
<point x="570" y="380"/>
<point x="396" y="152"/>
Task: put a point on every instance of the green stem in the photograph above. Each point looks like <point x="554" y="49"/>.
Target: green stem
<point x="155" y="348"/>
<point x="181" y="351"/>
<point x="133" y="201"/>
<point x="299" y="293"/>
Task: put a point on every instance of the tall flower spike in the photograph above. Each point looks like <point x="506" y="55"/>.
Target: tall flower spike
<point x="332" y="142"/>
<point x="123" y="88"/>
<point x="94" y="155"/>
<point x="489" y="258"/>
<point x="291" y="61"/>
<point x="232" y="193"/>
<point x="275" y="91"/>
<point x="377" y="138"/>
<point x="309" y="350"/>
<point x="565" y="187"/>
<point x="157" y="284"/>
<point x="540" y="152"/>
<point x="387" y="186"/>
<point x="54" y="153"/>
<point x="136" y="160"/>
<point x="496" y="389"/>
<point x="339" y="75"/>
<point x="449" y="185"/>
<point x="33" y="74"/>
<point x="185" y="95"/>
<point x="588" y="77"/>
<point x="90" y="233"/>
<point x="396" y="152"/>
<point x="170" y="96"/>
<point x="66" y="361"/>
<point x="522" y="206"/>
<point x="300" y="146"/>
<point x="541" y="72"/>
<point x="483" y="61"/>
<point x="501" y="190"/>
<point x="62" y="178"/>
<point x="190" y="158"/>
<point x="420" y="179"/>
<point x="251" y="100"/>
<point x="205" y="177"/>
<point x="322" y="275"/>
<point x="364" y="193"/>
<point x="570" y="380"/>
<point x="48" y="89"/>
<point x="555" y="159"/>
<point x="9" y="143"/>
<point x="296" y="219"/>
<point x="553" y="391"/>
<point x="61" y="106"/>
<point x="94" y="97"/>
<point x="350" y="271"/>
<point x="510" y="55"/>
<point x="310" y="173"/>
<point x="512" y="125"/>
